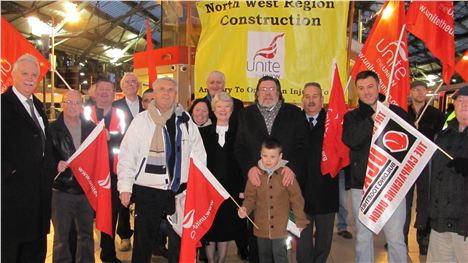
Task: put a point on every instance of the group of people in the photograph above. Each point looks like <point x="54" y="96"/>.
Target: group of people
<point x="266" y="155"/>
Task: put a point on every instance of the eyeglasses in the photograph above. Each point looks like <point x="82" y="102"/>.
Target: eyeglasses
<point x="74" y="103"/>
<point x="265" y="89"/>
<point x="131" y="81"/>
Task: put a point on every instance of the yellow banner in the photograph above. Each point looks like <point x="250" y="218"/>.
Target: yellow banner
<point x="295" y="41"/>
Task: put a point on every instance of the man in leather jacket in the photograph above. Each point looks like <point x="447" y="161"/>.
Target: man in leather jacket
<point x="70" y="207"/>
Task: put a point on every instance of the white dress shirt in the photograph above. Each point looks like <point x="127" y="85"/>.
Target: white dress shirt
<point x="134" y="106"/>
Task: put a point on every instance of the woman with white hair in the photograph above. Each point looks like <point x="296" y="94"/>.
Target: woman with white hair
<point x="218" y="140"/>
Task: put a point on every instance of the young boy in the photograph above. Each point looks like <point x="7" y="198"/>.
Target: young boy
<point x="272" y="203"/>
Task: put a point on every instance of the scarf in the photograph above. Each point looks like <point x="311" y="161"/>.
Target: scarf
<point x="157" y="146"/>
<point x="269" y="114"/>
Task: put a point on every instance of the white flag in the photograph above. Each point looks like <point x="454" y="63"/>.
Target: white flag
<point x="397" y="156"/>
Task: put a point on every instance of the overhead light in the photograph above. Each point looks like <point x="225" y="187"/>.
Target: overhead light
<point x="38" y="27"/>
<point x="82" y="64"/>
<point x="465" y="57"/>
<point x="82" y="73"/>
<point x="430" y="79"/>
<point x="85" y="82"/>
<point x="454" y="80"/>
<point x="71" y="14"/>
<point x="115" y="54"/>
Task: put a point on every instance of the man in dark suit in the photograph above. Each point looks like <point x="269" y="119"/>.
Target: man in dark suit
<point x="321" y="192"/>
<point x="270" y="116"/>
<point x="26" y="168"/>
<point x="131" y="105"/>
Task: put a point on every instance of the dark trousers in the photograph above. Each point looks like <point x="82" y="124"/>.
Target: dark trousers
<point x="72" y="211"/>
<point x="24" y="251"/>
<point x="108" y="242"/>
<point x="150" y="205"/>
<point x="422" y="235"/>
<point x="253" y="245"/>
<point x="123" y="225"/>
<point x="272" y="250"/>
<point x="242" y="241"/>
<point x="161" y="236"/>
<point x="307" y="251"/>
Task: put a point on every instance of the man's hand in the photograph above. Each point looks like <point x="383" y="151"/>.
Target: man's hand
<point x="242" y="212"/>
<point x="288" y="176"/>
<point x="62" y="166"/>
<point x="254" y="175"/>
<point x="125" y="198"/>
<point x="460" y="164"/>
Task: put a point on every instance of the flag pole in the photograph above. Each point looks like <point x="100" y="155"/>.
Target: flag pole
<point x="347" y="86"/>
<point x="444" y="152"/>
<point x="57" y="176"/>
<point x="394" y="61"/>
<point x="235" y="202"/>
<point x="427" y="104"/>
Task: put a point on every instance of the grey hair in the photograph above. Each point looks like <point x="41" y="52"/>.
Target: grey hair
<point x="216" y="72"/>
<point x="314" y="84"/>
<point x="222" y="97"/>
<point x="26" y="57"/>
<point x="69" y="92"/>
<point x="156" y="82"/>
<point x="127" y="74"/>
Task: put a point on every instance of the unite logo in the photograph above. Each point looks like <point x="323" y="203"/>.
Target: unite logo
<point x="265" y="54"/>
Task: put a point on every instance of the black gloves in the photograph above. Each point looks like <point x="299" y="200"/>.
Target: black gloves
<point x="460" y="164"/>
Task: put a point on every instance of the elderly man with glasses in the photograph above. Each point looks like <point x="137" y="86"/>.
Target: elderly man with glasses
<point x="70" y="207"/>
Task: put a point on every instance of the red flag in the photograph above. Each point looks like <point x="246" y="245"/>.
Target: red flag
<point x="380" y="49"/>
<point x="432" y="22"/>
<point x="462" y="66"/>
<point x="335" y="154"/>
<point x="204" y="196"/>
<point x="90" y="164"/>
<point x="14" y="45"/>
<point x="151" y="62"/>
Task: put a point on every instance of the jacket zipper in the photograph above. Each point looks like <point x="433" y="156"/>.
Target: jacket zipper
<point x="139" y="170"/>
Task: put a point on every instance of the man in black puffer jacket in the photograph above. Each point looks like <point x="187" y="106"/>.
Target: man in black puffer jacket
<point x="357" y="134"/>
<point x="70" y="207"/>
<point x="448" y="202"/>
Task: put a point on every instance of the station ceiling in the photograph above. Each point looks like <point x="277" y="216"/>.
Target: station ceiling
<point x="109" y="25"/>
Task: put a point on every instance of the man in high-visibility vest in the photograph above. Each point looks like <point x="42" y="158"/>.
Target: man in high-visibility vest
<point x="115" y="122"/>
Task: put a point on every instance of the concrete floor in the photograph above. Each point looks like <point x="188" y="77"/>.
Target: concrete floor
<point x="342" y="249"/>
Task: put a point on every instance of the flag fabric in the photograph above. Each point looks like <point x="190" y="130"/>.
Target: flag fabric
<point x="432" y="22"/>
<point x="335" y="154"/>
<point x="90" y="165"/>
<point x="151" y="62"/>
<point x="204" y="196"/>
<point x="14" y="45"/>
<point x="397" y="156"/>
<point x="462" y="66"/>
<point x="380" y="49"/>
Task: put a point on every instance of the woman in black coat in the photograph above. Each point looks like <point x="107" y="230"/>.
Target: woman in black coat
<point x="218" y="140"/>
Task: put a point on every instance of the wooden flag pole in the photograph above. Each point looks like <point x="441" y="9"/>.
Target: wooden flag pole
<point x="247" y="215"/>
<point x="394" y="61"/>
<point x="427" y="104"/>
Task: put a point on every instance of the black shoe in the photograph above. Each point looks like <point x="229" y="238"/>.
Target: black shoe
<point x="386" y="246"/>
<point x="242" y="254"/>
<point x="160" y="252"/>
<point x="423" y="251"/>
<point x="345" y="234"/>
